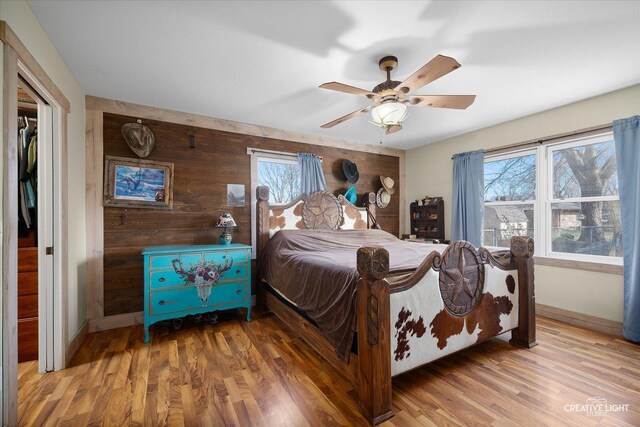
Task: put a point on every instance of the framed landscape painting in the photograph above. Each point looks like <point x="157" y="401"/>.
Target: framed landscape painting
<point x="137" y="183"/>
<point x="235" y="195"/>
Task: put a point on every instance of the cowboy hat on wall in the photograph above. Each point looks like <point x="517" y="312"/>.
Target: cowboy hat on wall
<point x="388" y="184"/>
<point x="350" y="171"/>
<point x="139" y="138"/>
<point x="383" y="198"/>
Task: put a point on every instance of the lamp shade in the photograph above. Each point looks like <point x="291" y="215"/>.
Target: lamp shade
<point x="225" y="221"/>
<point x="389" y="113"/>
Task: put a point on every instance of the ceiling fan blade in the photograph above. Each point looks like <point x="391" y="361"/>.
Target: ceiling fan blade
<point x="344" y="118"/>
<point x="432" y="70"/>
<point x="340" y="87"/>
<point x="458" y="102"/>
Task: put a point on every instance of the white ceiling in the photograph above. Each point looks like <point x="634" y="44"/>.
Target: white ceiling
<point x="262" y="62"/>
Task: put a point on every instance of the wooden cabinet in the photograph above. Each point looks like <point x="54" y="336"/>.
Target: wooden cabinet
<point x="427" y="221"/>
<point x="27" y="304"/>
<point x="177" y="279"/>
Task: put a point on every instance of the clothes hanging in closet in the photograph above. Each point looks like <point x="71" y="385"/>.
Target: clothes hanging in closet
<point x="27" y="179"/>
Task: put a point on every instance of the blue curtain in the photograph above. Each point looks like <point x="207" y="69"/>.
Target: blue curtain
<point x="468" y="197"/>
<point x="311" y="175"/>
<point x="626" y="133"/>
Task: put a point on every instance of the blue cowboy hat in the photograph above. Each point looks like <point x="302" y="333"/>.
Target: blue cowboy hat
<point x="351" y="195"/>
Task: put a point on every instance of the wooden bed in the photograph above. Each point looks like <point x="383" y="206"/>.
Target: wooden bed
<point x="419" y="299"/>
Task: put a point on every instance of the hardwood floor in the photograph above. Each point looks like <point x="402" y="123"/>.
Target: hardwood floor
<point x="237" y="373"/>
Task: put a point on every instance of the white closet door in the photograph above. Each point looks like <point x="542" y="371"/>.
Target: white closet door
<point x="46" y="297"/>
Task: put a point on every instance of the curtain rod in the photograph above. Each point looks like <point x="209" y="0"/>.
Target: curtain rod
<point x="540" y="141"/>
<point x="280" y="153"/>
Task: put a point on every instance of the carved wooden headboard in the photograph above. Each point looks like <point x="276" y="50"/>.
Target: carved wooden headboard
<point x="319" y="210"/>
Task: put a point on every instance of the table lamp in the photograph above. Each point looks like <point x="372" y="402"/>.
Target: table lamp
<point x="225" y="221"/>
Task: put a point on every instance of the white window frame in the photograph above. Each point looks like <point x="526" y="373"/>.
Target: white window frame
<point x="256" y="156"/>
<point x="511" y="155"/>
<point x="550" y="199"/>
<point x="544" y="197"/>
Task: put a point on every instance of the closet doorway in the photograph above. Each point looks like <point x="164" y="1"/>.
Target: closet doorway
<point x="21" y="69"/>
<point x="35" y="228"/>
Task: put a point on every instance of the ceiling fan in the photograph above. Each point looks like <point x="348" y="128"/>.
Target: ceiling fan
<point x="391" y="98"/>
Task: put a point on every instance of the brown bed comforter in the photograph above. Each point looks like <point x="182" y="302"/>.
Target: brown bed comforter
<point x="316" y="269"/>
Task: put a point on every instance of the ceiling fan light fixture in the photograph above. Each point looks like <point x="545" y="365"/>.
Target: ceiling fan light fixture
<point x="391" y="98"/>
<point x="389" y="114"/>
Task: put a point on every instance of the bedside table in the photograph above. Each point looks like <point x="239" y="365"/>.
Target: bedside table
<point x="176" y="281"/>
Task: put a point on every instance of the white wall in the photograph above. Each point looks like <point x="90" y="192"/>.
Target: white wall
<point x="2" y="380"/>
<point x="22" y="21"/>
<point x="429" y="171"/>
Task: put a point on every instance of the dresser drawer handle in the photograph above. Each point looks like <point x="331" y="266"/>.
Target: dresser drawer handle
<point x="162" y="279"/>
<point x="238" y="271"/>
<point x="239" y="291"/>
<point x="161" y="302"/>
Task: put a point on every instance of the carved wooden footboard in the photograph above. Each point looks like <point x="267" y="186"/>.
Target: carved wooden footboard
<point x="466" y="308"/>
<point x="451" y="301"/>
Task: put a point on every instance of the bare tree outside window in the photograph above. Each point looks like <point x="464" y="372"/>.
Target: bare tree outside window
<point x="507" y="184"/>
<point x="283" y="180"/>
<point x="510" y="179"/>
<point x="587" y="171"/>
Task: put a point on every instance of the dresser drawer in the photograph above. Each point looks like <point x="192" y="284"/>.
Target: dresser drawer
<point x="165" y="279"/>
<point x="165" y="262"/>
<point x="28" y="283"/>
<point x="27" y="306"/>
<point x="221" y="256"/>
<point x="27" y="259"/>
<point x="27" y="340"/>
<point x="170" y="279"/>
<point x="236" y="272"/>
<point x="187" y="299"/>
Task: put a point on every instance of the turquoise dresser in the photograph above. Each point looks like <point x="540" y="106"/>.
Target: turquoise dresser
<point x="183" y="280"/>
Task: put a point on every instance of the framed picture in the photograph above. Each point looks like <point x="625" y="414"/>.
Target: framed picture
<point x="137" y="183"/>
<point x="235" y="194"/>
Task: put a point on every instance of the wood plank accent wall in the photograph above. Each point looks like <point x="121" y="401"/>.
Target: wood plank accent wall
<point x="200" y="185"/>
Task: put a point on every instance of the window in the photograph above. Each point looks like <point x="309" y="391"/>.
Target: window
<point x="584" y="209"/>
<point x="510" y="196"/>
<point x="564" y="195"/>
<point x="278" y="171"/>
<point x="282" y="176"/>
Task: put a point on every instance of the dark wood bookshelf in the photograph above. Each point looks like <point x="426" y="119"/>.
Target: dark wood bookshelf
<point x="427" y="221"/>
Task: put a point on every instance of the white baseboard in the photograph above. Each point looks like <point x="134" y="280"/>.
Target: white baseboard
<point x="578" y="319"/>
<point x="76" y="342"/>
<point x="117" y="321"/>
<point x="123" y="320"/>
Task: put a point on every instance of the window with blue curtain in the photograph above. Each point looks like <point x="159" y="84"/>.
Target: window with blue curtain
<point x="468" y="197"/>
<point x="627" y="141"/>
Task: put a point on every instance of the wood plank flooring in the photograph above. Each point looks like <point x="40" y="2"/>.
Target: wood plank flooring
<point x="237" y="373"/>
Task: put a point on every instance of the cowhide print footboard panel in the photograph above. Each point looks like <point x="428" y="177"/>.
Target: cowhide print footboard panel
<point x="455" y="300"/>
<point x="320" y="210"/>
